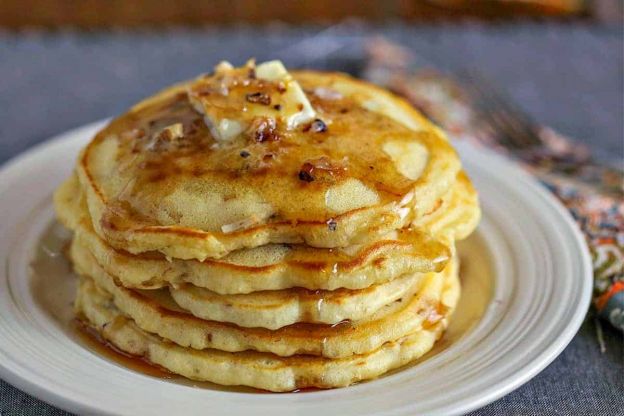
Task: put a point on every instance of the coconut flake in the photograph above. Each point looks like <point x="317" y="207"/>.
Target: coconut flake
<point x="240" y="225"/>
<point x="403" y="212"/>
<point x="406" y="199"/>
<point x="327" y="93"/>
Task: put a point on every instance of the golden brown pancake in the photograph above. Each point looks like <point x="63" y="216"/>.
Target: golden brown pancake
<point x="156" y="178"/>
<point x="274" y="309"/>
<point x="255" y="369"/>
<point x="156" y="312"/>
<point x="270" y="267"/>
<point x="276" y="267"/>
<point x="457" y="215"/>
<point x="269" y="229"/>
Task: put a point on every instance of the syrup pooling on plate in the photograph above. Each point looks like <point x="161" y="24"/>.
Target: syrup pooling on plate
<point x="90" y="338"/>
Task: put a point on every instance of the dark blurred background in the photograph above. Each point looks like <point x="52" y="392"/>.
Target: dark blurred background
<point x="561" y="60"/>
<point x="90" y="14"/>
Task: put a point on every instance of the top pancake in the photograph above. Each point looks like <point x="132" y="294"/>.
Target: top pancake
<point x="156" y="178"/>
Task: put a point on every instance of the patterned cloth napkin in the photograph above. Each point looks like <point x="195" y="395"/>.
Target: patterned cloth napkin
<point x="592" y="192"/>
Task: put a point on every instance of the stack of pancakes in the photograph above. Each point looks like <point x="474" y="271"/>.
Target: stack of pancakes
<point x="229" y="233"/>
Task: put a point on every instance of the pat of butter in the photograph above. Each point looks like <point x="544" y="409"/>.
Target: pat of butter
<point x="228" y="112"/>
<point x="296" y="107"/>
<point x="222" y="129"/>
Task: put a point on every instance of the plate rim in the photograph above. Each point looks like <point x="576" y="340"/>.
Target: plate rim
<point x="548" y="355"/>
<point x="9" y="169"/>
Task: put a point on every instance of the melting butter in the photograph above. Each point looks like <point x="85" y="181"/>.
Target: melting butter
<point x="296" y="106"/>
<point x="232" y="98"/>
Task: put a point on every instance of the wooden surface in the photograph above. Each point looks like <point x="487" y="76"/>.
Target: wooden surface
<point x="88" y="14"/>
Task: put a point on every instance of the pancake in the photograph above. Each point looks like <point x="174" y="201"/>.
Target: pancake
<point x="276" y="267"/>
<point x="157" y="180"/>
<point x="457" y="216"/>
<point x="250" y="368"/>
<point x="270" y="229"/>
<point x="155" y="311"/>
<point x="270" y="267"/>
<point x="278" y="308"/>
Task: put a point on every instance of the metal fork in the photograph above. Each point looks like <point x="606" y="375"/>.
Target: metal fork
<point x="511" y="125"/>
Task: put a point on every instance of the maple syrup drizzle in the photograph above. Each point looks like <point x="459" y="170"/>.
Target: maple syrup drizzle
<point x="95" y="342"/>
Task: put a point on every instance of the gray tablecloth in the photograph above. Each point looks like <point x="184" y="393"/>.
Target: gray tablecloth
<point x="568" y="76"/>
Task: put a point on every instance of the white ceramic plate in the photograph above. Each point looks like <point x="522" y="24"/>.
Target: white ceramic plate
<point x="541" y="292"/>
